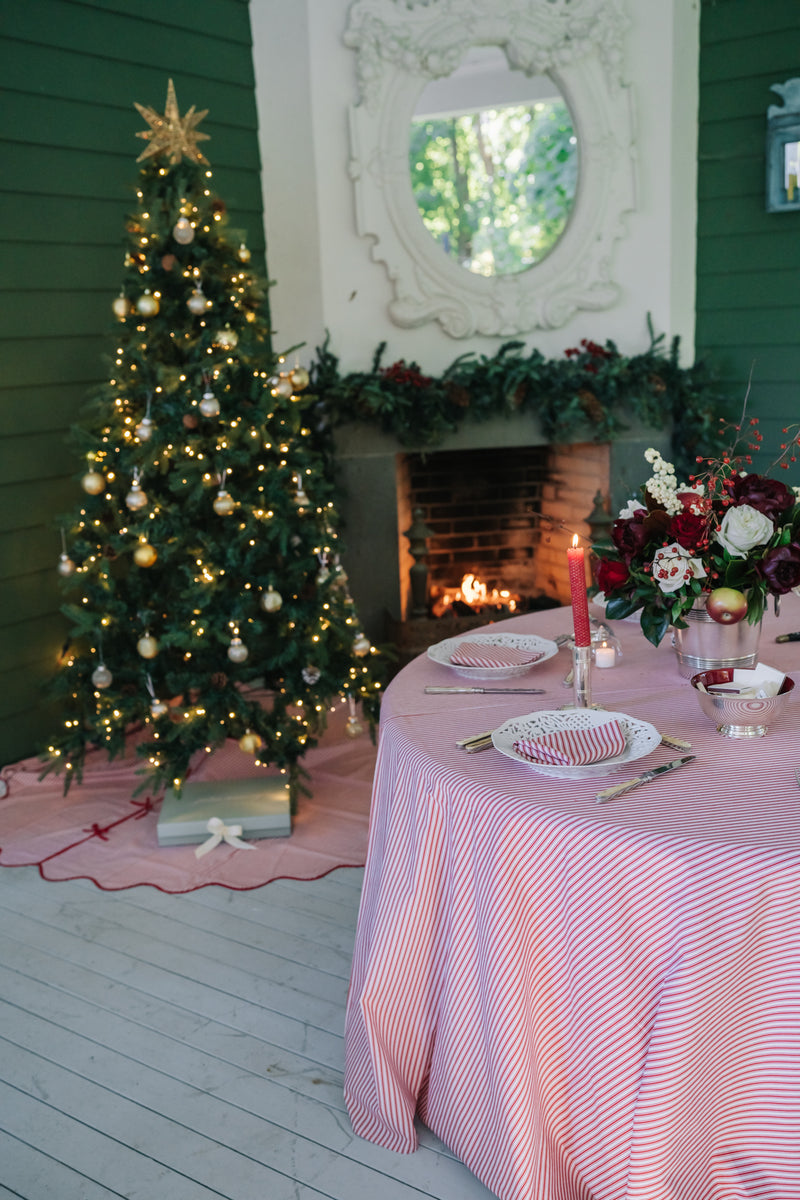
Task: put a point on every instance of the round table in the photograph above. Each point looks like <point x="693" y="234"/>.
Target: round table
<point x="583" y="1001"/>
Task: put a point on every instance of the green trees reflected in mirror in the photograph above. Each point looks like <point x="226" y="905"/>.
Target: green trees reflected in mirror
<point x="495" y="185"/>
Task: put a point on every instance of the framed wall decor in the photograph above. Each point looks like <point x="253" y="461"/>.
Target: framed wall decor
<point x="783" y="149"/>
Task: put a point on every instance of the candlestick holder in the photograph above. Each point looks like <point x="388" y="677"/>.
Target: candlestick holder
<point x="582" y="676"/>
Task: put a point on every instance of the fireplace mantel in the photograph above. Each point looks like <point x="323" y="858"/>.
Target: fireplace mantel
<point x="375" y="512"/>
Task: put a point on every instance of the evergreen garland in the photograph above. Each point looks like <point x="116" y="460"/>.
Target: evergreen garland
<point x="590" y="393"/>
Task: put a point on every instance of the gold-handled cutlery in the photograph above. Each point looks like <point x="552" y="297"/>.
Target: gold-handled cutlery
<point x="619" y="789"/>
<point x="482" y="741"/>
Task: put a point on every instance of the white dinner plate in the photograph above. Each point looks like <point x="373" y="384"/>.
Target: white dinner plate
<point x="641" y="738"/>
<point x="440" y="653"/>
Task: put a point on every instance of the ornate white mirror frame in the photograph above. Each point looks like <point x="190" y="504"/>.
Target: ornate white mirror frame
<point x="401" y="46"/>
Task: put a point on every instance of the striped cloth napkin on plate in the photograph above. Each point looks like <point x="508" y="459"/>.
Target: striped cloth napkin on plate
<point x="475" y="654"/>
<point x="573" y="747"/>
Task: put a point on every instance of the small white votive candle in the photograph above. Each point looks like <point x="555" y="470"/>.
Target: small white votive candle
<point x="604" y="655"/>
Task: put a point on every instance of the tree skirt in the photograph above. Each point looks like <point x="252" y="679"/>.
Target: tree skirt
<point x="99" y="831"/>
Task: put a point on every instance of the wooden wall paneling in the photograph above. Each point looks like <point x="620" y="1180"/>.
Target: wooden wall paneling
<point x="72" y="70"/>
<point x="747" y="259"/>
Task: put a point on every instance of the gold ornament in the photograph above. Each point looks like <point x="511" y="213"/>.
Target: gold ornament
<point x="120" y="306"/>
<point x="93" y="483"/>
<point x="144" y="430"/>
<point x="65" y="565"/>
<point x="250" y="742"/>
<point x="244" y="253"/>
<point x="237" y="651"/>
<point x="299" y="378"/>
<point x="147" y="305"/>
<point x="172" y="135"/>
<point x="224" y="504"/>
<point x="147" y="646"/>
<point x="227" y="338"/>
<point x="145" y="555"/>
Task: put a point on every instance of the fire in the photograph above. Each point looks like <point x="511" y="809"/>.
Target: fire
<point x="473" y="592"/>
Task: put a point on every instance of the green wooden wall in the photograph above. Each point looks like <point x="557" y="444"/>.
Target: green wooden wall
<point x="748" y="300"/>
<point x="71" y="71"/>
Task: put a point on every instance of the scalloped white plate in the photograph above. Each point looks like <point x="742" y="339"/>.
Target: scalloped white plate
<point x="440" y="653"/>
<point x="641" y="738"/>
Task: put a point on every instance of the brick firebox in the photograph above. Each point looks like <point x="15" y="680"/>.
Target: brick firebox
<point x="551" y="491"/>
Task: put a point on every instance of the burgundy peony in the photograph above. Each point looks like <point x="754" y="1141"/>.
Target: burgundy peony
<point x="769" y="496"/>
<point x="629" y="535"/>
<point x="611" y="575"/>
<point x="781" y="568"/>
<point x="689" y="530"/>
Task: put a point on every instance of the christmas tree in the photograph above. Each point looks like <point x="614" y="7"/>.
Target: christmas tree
<point x="205" y="596"/>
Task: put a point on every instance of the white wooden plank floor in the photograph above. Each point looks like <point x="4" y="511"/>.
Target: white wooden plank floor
<point x="187" y="1047"/>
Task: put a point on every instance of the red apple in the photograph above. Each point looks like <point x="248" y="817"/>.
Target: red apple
<point x="726" y="605"/>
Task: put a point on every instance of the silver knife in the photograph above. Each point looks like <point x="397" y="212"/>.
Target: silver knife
<point x="612" y="792"/>
<point x="450" y="691"/>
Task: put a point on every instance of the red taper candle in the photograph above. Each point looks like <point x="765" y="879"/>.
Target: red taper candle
<point x="577" y="587"/>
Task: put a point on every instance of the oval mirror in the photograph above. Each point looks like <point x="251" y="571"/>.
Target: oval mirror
<point x="494" y="164"/>
<point x="536" y="278"/>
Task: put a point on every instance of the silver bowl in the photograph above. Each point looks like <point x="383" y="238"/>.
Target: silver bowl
<point x="739" y="716"/>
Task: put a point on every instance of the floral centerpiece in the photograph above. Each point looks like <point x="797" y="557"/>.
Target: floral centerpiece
<point x="726" y="538"/>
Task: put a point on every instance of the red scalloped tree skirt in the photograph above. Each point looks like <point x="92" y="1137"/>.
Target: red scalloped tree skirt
<point x="100" y="832"/>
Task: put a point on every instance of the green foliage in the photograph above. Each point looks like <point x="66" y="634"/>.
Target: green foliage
<point x="589" y="393"/>
<point x="496" y="187"/>
<point x="266" y="450"/>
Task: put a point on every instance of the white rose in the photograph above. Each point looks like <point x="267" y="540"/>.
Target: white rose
<point x="743" y="528"/>
<point x="633" y="506"/>
<point x="673" y="567"/>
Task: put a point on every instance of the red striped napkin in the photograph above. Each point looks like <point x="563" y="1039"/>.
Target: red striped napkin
<point x="476" y="654"/>
<point x="574" y="747"/>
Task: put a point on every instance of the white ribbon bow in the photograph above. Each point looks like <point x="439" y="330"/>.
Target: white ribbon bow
<point x="220" y="832"/>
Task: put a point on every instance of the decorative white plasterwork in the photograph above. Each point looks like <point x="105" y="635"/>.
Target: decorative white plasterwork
<point x="401" y="45"/>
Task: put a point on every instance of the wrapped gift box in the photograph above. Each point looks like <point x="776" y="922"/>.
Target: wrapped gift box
<point x="260" y="806"/>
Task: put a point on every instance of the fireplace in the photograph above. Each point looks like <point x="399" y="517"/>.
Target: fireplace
<point x="501" y="502"/>
<point x="483" y="509"/>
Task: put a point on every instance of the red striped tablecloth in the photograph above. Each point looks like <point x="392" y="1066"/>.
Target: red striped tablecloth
<point x="585" y="1002"/>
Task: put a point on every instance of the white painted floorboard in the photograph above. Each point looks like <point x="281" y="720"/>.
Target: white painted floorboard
<point x="188" y="1047"/>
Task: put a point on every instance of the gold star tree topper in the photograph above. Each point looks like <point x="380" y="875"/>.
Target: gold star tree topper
<point x="172" y="134"/>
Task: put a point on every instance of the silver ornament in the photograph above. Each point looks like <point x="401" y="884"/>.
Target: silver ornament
<point x="65" y="565"/>
<point x="136" y="498"/>
<point x="101" y="676"/>
<point x="237" y="651"/>
<point x="209" y="405"/>
<point x="361" y="645"/>
<point x="271" y="600"/>
<point x="311" y="674"/>
<point x="197" y="302"/>
<point x="183" y="231"/>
